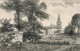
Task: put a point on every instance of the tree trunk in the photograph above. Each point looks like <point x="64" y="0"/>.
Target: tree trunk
<point x="79" y="31"/>
<point x="18" y="21"/>
<point x="46" y="31"/>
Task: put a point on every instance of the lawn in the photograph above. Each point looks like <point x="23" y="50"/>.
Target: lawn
<point x="44" y="47"/>
<point x="35" y="47"/>
<point x="41" y="47"/>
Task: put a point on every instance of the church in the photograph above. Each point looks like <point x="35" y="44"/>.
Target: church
<point x="53" y="29"/>
<point x="55" y="33"/>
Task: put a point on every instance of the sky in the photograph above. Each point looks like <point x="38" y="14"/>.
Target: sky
<point x="65" y="8"/>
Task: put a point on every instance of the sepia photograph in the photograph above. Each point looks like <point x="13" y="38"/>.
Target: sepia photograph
<point x="39" y="25"/>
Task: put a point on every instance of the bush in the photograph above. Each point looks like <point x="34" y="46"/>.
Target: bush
<point x="17" y="45"/>
<point x="52" y="43"/>
<point x="31" y="36"/>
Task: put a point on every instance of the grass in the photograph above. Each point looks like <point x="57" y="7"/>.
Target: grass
<point x="41" y="47"/>
<point x="76" y="48"/>
<point x="35" y="47"/>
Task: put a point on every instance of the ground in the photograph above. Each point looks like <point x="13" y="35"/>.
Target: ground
<point x="46" y="47"/>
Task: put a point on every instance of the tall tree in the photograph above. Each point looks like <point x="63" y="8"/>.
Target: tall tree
<point x="34" y="11"/>
<point x="76" y="21"/>
<point x="13" y="5"/>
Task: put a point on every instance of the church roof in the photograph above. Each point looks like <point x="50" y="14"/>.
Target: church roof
<point x="52" y="27"/>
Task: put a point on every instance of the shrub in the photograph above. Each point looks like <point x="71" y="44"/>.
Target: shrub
<point x="17" y="45"/>
<point x="31" y="36"/>
<point x="53" y="43"/>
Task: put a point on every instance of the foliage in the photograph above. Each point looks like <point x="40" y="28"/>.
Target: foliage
<point x="7" y="38"/>
<point x="76" y="22"/>
<point x="69" y="30"/>
<point x="43" y="5"/>
<point x="6" y="41"/>
<point x="34" y="11"/>
<point x="6" y="26"/>
<point x="17" y="45"/>
<point x="13" y="5"/>
<point x="53" y="43"/>
<point x="6" y="30"/>
<point x="30" y="36"/>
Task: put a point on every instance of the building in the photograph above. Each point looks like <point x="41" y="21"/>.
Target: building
<point x="53" y="33"/>
<point x="52" y="29"/>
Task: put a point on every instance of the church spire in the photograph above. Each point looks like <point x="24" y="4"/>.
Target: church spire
<point x="58" y="20"/>
<point x="59" y="23"/>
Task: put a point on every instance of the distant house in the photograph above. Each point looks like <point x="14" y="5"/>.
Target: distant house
<point x="52" y="29"/>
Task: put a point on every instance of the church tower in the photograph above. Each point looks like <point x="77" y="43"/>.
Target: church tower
<point x="59" y="23"/>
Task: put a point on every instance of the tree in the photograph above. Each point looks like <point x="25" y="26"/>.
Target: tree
<point x="76" y="21"/>
<point x="6" y="26"/>
<point x="13" y="5"/>
<point x="32" y="32"/>
<point x="69" y="30"/>
<point x="34" y="11"/>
